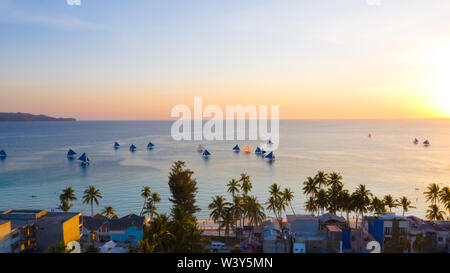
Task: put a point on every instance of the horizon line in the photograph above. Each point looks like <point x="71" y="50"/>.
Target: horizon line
<point x="286" y="119"/>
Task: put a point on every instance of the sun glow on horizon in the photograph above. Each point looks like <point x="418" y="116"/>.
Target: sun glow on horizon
<point x="439" y="80"/>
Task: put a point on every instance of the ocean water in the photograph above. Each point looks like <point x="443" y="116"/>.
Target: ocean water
<point x="37" y="169"/>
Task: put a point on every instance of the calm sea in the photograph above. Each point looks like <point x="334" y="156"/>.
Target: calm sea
<point x="388" y="163"/>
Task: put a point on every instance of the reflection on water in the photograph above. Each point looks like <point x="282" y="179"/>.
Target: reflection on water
<point x="388" y="163"/>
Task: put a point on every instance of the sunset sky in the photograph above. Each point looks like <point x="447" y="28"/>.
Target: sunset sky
<point x="135" y="60"/>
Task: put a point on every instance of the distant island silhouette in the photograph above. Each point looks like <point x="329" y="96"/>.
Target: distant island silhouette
<point x="30" y="117"/>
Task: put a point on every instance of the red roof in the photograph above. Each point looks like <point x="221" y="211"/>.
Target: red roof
<point x="333" y="228"/>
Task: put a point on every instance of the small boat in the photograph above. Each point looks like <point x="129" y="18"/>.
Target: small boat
<point x="247" y="149"/>
<point x="236" y="148"/>
<point x="116" y="145"/>
<point x="200" y="148"/>
<point x="3" y="154"/>
<point x="369" y="136"/>
<point x="206" y="154"/>
<point x="71" y="153"/>
<point x="270" y="156"/>
<point x="258" y="150"/>
<point x="416" y="141"/>
<point x="132" y="148"/>
<point x="426" y="143"/>
<point x="84" y="159"/>
<point x="269" y="142"/>
<point x="150" y="145"/>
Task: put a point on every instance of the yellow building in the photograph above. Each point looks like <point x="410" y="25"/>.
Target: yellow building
<point x="42" y="229"/>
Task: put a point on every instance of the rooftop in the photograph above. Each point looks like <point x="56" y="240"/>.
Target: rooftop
<point x="95" y="222"/>
<point x="333" y="228"/>
<point x="419" y="225"/>
<point x="331" y="217"/>
<point x="391" y="216"/>
<point x="300" y="217"/>
<point x="20" y="218"/>
<point x="309" y="236"/>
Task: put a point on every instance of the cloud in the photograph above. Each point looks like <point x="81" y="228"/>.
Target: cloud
<point x="73" y="2"/>
<point x="13" y="14"/>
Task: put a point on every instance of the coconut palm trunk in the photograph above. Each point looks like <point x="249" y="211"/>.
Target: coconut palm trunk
<point x="290" y="204"/>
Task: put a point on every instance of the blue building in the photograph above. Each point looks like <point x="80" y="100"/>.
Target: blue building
<point x="388" y="226"/>
<point x="128" y="229"/>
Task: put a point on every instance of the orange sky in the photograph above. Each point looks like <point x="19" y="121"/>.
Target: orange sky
<point x="336" y="61"/>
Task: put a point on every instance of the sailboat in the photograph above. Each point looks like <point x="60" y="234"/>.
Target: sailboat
<point x="116" y="145"/>
<point x="84" y="159"/>
<point x="247" y="149"/>
<point x="416" y="141"/>
<point x="269" y="142"/>
<point x="150" y="145"/>
<point x="236" y="148"/>
<point x="270" y="156"/>
<point x="258" y="150"/>
<point x="426" y="143"/>
<point x="206" y="154"/>
<point x="200" y="148"/>
<point x="263" y="152"/>
<point x="132" y="148"/>
<point x="3" y="154"/>
<point x="71" y="153"/>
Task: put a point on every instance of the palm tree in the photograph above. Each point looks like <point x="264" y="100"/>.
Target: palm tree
<point x="321" y="179"/>
<point x="233" y="187"/>
<point x="108" y="212"/>
<point x="346" y="203"/>
<point x="432" y="195"/>
<point x="64" y="205"/>
<point x="322" y="200"/>
<point x="433" y="213"/>
<point x="334" y="194"/>
<point x="444" y="197"/>
<point x="150" y="206"/>
<point x="335" y="179"/>
<point x="405" y="203"/>
<point x="218" y="207"/>
<point x="311" y="205"/>
<point x="91" y="195"/>
<point x="145" y="194"/>
<point x="377" y="206"/>
<point x="246" y="185"/>
<point x="237" y="210"/>
<point x="276" y="202"/>
<point x="228" y="221"/>
<point x="157" y="237"/>
<point x="361" y="199"/>
<point x="254" y="210"/>
<point x="288" y="196"/>
<point x="390" y="202"/>
<point x="68" y="194"/>
<point x="310" y="186"/>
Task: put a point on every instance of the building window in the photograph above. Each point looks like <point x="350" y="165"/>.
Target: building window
<point x="387" y="231"/>
<point x="403" y="231"/>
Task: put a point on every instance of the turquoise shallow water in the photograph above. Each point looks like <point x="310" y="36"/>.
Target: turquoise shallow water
<point x="388" y="163"/>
